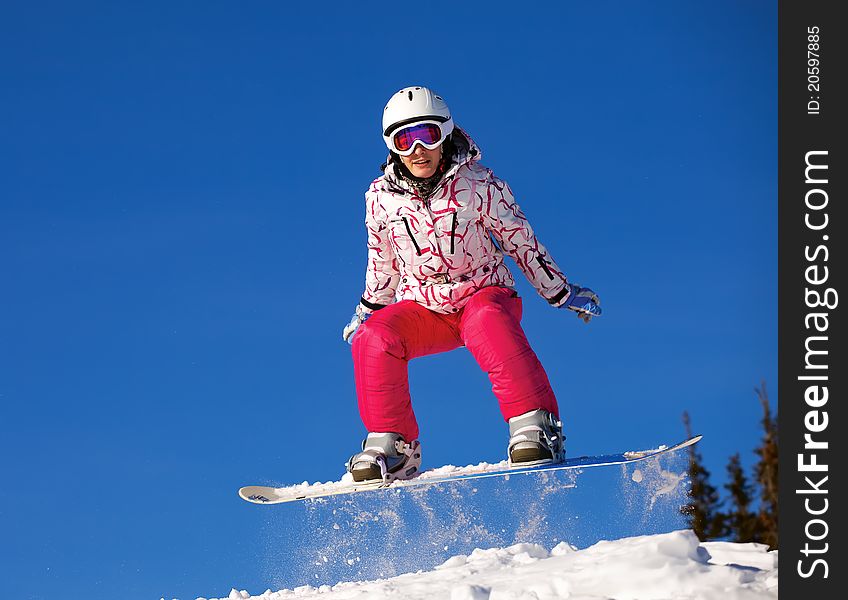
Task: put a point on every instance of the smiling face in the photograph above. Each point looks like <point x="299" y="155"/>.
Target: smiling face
<point x="422" y="162"/>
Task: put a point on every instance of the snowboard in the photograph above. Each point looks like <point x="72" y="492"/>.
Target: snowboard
<point x="258" y="494"/>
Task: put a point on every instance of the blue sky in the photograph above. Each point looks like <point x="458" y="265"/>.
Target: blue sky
<point x="182" y="240"/>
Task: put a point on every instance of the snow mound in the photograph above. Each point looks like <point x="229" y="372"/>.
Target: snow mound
<point x="654" y="567"/>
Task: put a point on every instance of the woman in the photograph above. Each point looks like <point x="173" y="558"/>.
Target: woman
<point x="438" y="224"/>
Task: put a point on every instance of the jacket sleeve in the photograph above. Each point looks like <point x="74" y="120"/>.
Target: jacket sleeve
<point x="512" y="230"/>
<point x="381" y="273"/>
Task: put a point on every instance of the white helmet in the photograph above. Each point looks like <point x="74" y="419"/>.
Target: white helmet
<point x="414" y="104"/>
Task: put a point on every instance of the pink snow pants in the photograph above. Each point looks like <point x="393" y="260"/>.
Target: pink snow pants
<point x="489" y="325"/>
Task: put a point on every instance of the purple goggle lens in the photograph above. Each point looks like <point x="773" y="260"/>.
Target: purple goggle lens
<point x="428" y="134"/>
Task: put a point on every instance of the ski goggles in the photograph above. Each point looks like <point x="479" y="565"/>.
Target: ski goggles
<point x="427" y="133"/>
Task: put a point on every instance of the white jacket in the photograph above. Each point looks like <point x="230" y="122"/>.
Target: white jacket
<point x="439" y="250"/>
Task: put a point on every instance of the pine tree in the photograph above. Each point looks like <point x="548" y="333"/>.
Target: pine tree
<point x="767" y="474"/>
<point x="705" y="518"/>
<point x="742" y="522"/>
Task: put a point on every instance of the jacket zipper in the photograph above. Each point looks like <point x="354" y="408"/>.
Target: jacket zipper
<point x="412" y="237"/>
<point x="541" y="261"/>
<point x="453" y="231"/>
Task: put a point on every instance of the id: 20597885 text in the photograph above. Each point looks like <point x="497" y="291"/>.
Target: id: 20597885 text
<point x="813" y="70"/>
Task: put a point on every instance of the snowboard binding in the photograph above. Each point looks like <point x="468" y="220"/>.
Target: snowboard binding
<point x="385" y="457"/>
<point x="535" y="439"/>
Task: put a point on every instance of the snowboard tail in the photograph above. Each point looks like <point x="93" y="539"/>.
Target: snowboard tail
<point x="258" y="494"/>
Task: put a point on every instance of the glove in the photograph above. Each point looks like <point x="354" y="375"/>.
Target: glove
<point x="358" y="318"/>
<point x="583" y="301"/>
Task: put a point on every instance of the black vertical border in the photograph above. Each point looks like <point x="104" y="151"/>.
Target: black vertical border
<point x="798" y="134"/>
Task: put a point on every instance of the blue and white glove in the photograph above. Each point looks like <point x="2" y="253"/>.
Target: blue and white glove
<point x="583" y="301"/>
<point x="359" y="317"/>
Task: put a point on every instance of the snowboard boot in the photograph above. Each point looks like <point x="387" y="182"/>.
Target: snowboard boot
<point x="385" y="457"/>
<point x="535" y="438"/>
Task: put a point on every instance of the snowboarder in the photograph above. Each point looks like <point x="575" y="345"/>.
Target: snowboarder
<point x="438" y="224"/>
